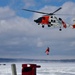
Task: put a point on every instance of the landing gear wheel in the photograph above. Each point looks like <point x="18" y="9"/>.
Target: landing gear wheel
<point x="49" y="25"/>
<point x="60" y="29"/>
<point x="42" y="26"/>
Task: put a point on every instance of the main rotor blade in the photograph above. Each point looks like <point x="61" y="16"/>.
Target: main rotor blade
<point x="65" y="14"/>
<point x="55" y="11"/>
<point x="35" y="11"/>
<point x="49" y="13"/>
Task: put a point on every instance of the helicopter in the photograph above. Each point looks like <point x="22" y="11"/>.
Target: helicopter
<point x="50" y="19"/>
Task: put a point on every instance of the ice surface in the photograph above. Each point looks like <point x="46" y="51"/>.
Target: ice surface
<point x="46" y="68"/>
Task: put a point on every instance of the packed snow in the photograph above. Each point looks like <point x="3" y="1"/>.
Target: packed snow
<point x="45" y="69"/>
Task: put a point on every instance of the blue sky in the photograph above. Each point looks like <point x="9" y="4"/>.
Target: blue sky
<point x="20" y="37"/>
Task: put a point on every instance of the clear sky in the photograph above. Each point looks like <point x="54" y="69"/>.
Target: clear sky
<point x="20" y="37"/>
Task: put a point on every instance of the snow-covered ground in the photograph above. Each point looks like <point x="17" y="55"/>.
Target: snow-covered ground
<point x="46" y="68"/>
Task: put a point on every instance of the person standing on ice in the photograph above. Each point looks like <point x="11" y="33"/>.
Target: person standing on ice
<point x="47" y="51"/>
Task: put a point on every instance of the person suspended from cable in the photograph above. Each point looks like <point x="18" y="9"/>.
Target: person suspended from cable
<point x="47" y="51"/>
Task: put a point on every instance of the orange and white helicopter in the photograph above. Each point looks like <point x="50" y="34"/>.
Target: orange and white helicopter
<point x="50" y="19"/>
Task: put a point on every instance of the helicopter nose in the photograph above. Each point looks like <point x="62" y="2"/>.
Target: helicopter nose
<point x="35" y="21"/>
<point x="39" y="20"/>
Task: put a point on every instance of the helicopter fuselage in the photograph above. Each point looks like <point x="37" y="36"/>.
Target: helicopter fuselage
<point x="50" y="21"/>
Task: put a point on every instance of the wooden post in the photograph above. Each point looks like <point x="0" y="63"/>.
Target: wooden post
<point x="13" y="67"/>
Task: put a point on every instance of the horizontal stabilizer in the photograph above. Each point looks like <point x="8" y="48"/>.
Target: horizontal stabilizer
<point x="73" y="26"/>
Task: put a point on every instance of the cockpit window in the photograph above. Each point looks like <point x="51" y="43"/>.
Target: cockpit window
<point x="39" y="19"/>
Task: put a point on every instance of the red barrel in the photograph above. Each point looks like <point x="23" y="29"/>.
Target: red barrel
<point x="29" y="69"/>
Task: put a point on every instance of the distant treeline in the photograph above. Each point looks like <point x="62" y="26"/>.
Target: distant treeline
<point x="34" y="60"/>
